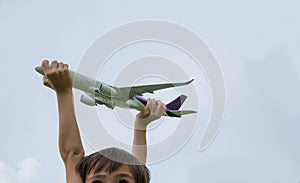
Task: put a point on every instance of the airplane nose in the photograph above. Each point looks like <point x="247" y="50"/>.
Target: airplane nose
<point x="39" y="69"/>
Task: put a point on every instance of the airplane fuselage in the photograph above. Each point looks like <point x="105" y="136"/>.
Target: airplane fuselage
<point x="91" y="88"/>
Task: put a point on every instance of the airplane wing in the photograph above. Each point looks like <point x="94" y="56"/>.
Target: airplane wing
<point x="139" y="90"/>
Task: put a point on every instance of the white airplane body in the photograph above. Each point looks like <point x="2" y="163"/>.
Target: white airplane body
<point x="98" y="93"/>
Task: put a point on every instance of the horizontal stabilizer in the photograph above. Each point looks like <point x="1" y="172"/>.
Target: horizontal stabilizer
<point x="175" y="113"/>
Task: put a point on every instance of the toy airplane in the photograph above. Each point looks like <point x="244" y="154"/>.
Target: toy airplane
<point x="98" y="93"/>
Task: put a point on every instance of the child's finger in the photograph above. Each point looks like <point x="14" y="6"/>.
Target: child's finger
<point x="146" y="111"/>
<point x="45" y="65"/>
<point x="160" y="108"/>
<point x="163" y="109"/>
<point x="152" y="105"/>
<point x="60" y="66"/>
<point x="158" y="102"/>
<point x="66" y="67"/>
<point x="46" y="82"/>
<point x="54" y="64"/>
<point x="149" y="104"/>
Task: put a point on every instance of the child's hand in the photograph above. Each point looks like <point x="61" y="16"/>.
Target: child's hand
<point x="153" y="110"/>
<point x="57" y="76"/>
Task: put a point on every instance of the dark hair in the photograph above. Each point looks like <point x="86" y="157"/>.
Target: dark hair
<point x="112" y="158"/>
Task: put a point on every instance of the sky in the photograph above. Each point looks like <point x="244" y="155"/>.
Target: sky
<point x="256" y="44"/>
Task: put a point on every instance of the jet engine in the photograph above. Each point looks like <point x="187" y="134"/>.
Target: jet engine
<point x="87" y="100"/>
<point x="107" y="90"/>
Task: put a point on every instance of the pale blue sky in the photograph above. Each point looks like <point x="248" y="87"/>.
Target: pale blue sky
<point x="256" y="43"/>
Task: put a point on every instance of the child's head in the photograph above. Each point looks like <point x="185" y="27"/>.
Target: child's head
<point x="112" y="164"/>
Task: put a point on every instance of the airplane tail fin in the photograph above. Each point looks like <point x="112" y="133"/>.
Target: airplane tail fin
<point x="176" y="103"/>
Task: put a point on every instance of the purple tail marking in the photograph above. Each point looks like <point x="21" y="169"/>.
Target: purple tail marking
<point x="176" y="103"/>
<point x="141" y="99"/>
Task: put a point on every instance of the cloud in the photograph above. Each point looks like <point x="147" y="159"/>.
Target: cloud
<point x="6" y="173"/>
<point x="27" y="171"/>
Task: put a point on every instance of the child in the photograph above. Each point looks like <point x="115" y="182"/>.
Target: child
<point x="121" y="166"/>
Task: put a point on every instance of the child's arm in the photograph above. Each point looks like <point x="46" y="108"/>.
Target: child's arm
<point x="153" y="110"/>
<point x="58" y="78"/>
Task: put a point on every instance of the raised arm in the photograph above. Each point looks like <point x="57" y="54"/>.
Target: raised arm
<point x="58" y="78"/>
<point x="153" y="110"/>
